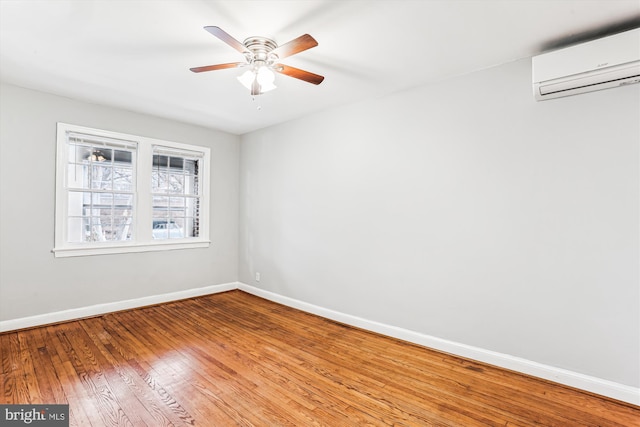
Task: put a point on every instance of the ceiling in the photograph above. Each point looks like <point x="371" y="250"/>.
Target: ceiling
<point x="136" y="54"/>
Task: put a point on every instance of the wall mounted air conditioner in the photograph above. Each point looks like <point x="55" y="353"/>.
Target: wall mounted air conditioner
<point x="599" y="64"/>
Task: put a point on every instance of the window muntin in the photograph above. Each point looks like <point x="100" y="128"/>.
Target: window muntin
<point x="123" y="193"/>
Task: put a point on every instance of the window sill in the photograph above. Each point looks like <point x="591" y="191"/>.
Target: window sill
<point x="109" y="249"/>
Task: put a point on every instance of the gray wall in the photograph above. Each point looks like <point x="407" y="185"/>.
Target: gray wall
<point x="32" y="281"/>
<point x="462" y="210"/>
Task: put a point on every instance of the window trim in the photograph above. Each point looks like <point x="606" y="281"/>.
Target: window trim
<point x="143" y="240"/>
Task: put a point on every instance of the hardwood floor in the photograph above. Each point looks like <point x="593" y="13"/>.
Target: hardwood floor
<point x="236" y="359"/>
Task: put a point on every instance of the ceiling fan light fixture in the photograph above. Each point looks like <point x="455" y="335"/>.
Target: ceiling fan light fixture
<point x="247" y="78"/>
<point x="266" y="77"/>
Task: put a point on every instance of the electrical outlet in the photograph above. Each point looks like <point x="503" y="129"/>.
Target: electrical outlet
<point x="257" y="277"/>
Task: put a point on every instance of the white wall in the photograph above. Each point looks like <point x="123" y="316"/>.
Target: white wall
<point x="32" y="281"/>
<point x="462" y="210"/>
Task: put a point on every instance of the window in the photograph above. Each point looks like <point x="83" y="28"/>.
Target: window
<point x="176" y="202"/>
<point x="120" y="193"/>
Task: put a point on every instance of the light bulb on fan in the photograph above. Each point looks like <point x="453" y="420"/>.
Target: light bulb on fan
<point x="266" y="77"/>
<point x="258" y="80"/>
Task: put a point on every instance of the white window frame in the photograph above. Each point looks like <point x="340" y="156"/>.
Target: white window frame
<point x="142" y="240"/>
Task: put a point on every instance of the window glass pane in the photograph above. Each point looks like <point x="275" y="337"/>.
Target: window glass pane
<point x="176" y="163"/>
<point x="123" y="157"/>
<point x="177" y="205"/>
<point x="122" y="214"/>
<point x="101" y="200"/>
<point x="79" y="153"/>
<point x="159" y="179"/>
<point x="76" y="227"/>
<point x="104" y="227"/>
<point x="126" y="230"/>
<point x="86" y="204"/>
<point x="101" y="177"/>
<point x="160" y="202"/>
<point x="176" y="229"/>
<point x="164" y="228"/>
<point x="159" y="217"/>
<point x="122" y="179"/>
<point x="104" y="155"/>
<point x="190" y="227"/>
<point x="76" y="205"/>
<point x="161" y="161"/>
<point x="123" y="201"/>
<point x="95" y="233"/>
<point x="176" y="183"/>
<point x="191" y="185"/>
<point x="117" y="228"/>
<point x="190" y="166"/>
<point x="99" y="155"/>
<point x="192" y="206"/>
<point x="124" y="220"/>
<point x="77" y="176"/>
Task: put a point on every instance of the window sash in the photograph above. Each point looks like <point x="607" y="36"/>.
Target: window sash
<point x="97" y="210"/>
<point x="175" y="193"/>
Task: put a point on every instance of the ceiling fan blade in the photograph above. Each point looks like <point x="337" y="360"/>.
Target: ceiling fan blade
<point x="217" y="67"/>
<point x="225" y="37"/>
<point x="297" y="73"/>
<point x="297" y="45"/>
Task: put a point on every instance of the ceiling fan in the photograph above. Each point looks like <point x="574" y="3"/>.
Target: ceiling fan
<point x="262" y="55"/>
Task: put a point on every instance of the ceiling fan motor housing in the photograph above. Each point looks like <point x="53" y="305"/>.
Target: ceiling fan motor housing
<point x="260" y="50"/>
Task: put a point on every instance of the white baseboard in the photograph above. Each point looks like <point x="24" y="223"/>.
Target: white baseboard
<point x="562" y="376"/>
<point x="95" y="310"/>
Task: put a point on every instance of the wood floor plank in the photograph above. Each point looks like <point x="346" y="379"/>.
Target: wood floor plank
<point x="233" y="359"/>
<point x="29" y="377"/>
<point x="15" y="387"/>
<point x="43" y="369"/>
<point x="9" y="386"/>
